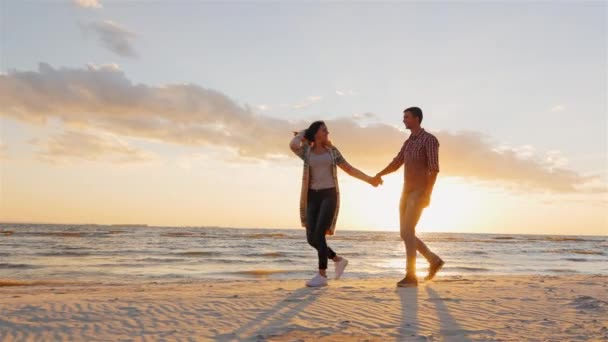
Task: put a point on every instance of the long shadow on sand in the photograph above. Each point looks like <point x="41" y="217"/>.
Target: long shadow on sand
<point x="408" y="330"/>
<point x="450" y="329"/>
<point x="278" y="315"/>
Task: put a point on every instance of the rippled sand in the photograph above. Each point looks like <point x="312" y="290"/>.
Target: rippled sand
<point x="512" y="308"/>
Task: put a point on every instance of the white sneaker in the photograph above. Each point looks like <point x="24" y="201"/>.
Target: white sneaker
<point x="340" y="266"/>
<point x="317" y="281"/>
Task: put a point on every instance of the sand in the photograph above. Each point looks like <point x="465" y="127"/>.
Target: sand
<point x="467" y="308"/>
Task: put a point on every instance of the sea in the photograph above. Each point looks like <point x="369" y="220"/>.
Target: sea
<point x="140" y="253"/>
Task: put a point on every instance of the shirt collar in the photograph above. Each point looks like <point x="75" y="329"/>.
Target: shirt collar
<point x="414" y="136"/>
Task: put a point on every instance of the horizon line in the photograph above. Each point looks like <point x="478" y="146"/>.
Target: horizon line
<point x="145" y="225"/>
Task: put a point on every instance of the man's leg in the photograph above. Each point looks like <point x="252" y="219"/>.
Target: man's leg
<point x="409" y="214"/>
<point x="426" y="251"/>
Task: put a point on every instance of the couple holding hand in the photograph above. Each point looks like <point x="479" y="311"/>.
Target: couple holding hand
<point x="320" y="195"/>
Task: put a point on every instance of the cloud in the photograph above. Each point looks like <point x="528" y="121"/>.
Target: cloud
<point x="112" y="36"/>
<point x="307" y="103"/>
<point x="558" y="108"/>
<point x="86" y="146"/>
<point x="345" y="93"/>
<point x="103" y="98"/>
<point x="87" y="3"/>
<point x="362" y="116"/>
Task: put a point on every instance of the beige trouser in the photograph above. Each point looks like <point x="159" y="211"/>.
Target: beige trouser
<point x="410" y="210"/>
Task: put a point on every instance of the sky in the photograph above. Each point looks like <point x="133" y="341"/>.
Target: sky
<point x="180" y="113"/>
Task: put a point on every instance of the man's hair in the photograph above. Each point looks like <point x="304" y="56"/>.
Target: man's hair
<point x="417" y="112"/>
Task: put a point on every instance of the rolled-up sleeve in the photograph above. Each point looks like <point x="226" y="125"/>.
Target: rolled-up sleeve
<point x="432" y="154"/>
<point x="340" y="160"/>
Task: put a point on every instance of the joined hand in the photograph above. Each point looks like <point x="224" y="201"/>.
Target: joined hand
<point x="375" y="181"/>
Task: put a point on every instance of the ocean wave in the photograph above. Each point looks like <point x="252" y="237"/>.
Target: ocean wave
<point x="561" y="270"/>
<point x="184" y="234"/>
<point x="565" y="239"/>
<point x="267" y="254"/>
<point x="261" y="272"/>
<point x="498" y="240"/>
<point x="233" y="261"/>
<point x="197" y="253"/>
<point x="62" y="234"/>
<point x="5" y="265"/>
<point x="162" y="260"/>
<point x="118" y="265"/>
<point x="576" y="259"/>
<point x="267" y="235"/>
<point x="376" y="238"/>
<point x="65" y="253"/>
<point x="575" y="251"/>
<point x="467" y="269"/>
<point x="71" y="247"/>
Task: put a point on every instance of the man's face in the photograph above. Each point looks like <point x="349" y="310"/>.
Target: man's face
<point x="410" y="120"/>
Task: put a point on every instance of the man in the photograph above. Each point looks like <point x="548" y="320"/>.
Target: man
<point x="420" y="155"/>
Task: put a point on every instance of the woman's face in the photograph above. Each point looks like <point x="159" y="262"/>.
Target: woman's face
<point x="322" y="135"/>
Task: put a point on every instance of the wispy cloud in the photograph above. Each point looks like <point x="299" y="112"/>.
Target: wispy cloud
<point x="363" y="116"/>
<point x="87" y="3"/>
<point x="112" y="36"/>
<point x="303" y="104"/>
<point x="103" y="98"/>
<point x="86" y="146"/>
<point x="345" y="93"/>
<point x="307" y="103"/>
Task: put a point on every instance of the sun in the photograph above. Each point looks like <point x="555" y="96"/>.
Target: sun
<point x="456" y="205"/>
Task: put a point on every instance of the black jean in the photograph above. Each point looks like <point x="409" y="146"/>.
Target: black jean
<point x="319" y="215"/>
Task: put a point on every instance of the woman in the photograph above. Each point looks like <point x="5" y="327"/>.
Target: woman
<point x="320" y="195"/>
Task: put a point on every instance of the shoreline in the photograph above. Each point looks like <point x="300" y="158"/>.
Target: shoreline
<point x="510" y="307"/>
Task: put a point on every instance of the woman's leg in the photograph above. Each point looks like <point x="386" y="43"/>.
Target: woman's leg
<point x="330" y="252"/>
<point x="326" y="214"/>
<point x="312" y="216"/>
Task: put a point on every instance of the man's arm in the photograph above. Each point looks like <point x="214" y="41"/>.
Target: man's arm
<point x="432" y="153"/>
<point x="431" y="182"/>
<point x="394" y="165"/>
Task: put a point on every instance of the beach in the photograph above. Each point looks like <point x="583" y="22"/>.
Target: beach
<point x="106" y="283"/>
<point x="451" y="308"/>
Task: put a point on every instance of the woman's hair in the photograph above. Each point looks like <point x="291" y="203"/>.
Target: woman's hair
<point x="312" y="130"/>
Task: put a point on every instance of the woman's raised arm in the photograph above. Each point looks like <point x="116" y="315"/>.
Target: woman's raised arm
<point x="296" y="144"/>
